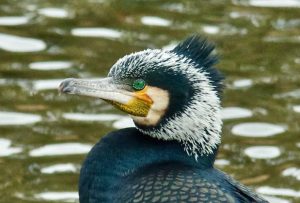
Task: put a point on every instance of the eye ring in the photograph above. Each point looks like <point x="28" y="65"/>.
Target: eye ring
<point x="139" y="84"/>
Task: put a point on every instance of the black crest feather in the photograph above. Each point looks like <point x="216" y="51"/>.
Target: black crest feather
<point x="200" y="51"/>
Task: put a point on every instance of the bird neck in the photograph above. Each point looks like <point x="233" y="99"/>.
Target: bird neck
<point x="121" y="153"/>
<point x="198" y="126"/>
<point x="193" y="113"/>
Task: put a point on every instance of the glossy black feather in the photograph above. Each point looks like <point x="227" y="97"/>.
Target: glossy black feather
<point x="127" y="166"/>
<point x="200" y="51"/>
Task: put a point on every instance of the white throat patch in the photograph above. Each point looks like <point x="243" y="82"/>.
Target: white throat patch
<point x="160" y="104"/>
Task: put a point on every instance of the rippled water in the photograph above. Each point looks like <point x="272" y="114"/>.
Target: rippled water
<point x="45" y="136"/>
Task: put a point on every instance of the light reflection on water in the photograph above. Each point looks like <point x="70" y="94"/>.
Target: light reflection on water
<point x="14" y="43"/>
<point x="275" y="3"/>
<point x="155" y="21"/>
<point x="257" y="129"/>
<point x="262" y="152"/>
<point x="242" y="83"/>
<point x="13" y="20"/>
<point x="50" y="65"/>
<point x="60" y="168"/>
<point x="273" y="199"/>
<point x="290" y="94"/>
<point x="267" y="190"/>
<point x="235" y="113"/>
<point x="60" y="149"/>
<point x="50" y="84"/>
<point x="96" y="32"/>
<point x="43" y="42"/>
<point x="15" y="118"/>
<point x="6" y="149"/>
<point x="123" y="123"/>
<point x="57" y="196"/>
<point x="296" y="108"/>
<point x="222" y="162"/>
<point x="294" y="172"/>
<point x="91" y="117"/>
<point x="54" y="12"/>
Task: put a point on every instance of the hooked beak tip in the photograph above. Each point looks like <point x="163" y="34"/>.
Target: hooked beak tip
<point x="65" y="86"/>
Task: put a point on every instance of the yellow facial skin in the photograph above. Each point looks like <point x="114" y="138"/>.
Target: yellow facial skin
<point x="160" y="101"/>
<point x="139" y="105"/>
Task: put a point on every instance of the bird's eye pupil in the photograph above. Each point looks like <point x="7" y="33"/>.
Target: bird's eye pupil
<point x="138" y="84"/>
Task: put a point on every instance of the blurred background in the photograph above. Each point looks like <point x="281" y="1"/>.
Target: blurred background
<point x="44" y="136"/>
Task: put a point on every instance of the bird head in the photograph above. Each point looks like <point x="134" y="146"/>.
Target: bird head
<point x="170" y="94"/>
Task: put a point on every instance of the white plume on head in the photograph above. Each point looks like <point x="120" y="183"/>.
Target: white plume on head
<point x="199" y="125"/>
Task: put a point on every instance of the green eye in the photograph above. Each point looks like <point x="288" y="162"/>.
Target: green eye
<point x="139" y="84"/>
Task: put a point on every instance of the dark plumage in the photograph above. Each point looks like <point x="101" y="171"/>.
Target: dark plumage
<point x="128" y="166"/>
<point x="199" y="50"/>
<point x="174" y="99"/>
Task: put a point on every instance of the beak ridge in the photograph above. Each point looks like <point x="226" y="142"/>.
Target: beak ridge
<point x="108" y="90"/>
<point x="105" y="89"/>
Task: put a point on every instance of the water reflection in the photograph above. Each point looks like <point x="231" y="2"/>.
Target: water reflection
<point x="155" y="21"/>
<point x="283" y="24"/>
<point x="96" y="32"/>
<point x="6" y="149"/>
<point x="124" y="123"/>
<point x="50" y="65"/>
<point x="222" y="162"/>
<point x="263" y="152"/>
<point x="267" y="190"/>
<point x="54" y="12"/>
<point x="57" y="196"/>
<point x="20" y="44"/>
<point x="15" y="118"/>
<point x="60" y="168"/>
<point x="91" y="117"/>
<point x="291" y="94"/>
<point x="281" y="39"/>
<point x="209" y="29"/>
<point x="296" y="108"/>
<point x="275" y="199"/>
<point x="13" y="20"/>
<point x="257" y="129"/>
<point x="4" y="143"/>
<point x="275" y="3"/>
<point x="235" y="113"/>
<point x="39" y="85"/>
<point x="293" y="171"/>
<point x="242" y="83"/>
<point x="61" y="149"/>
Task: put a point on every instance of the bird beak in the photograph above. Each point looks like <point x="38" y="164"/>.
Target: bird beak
<point x="135" y="103"/>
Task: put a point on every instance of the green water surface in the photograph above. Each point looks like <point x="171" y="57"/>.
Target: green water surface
<point x="259" y="47"/>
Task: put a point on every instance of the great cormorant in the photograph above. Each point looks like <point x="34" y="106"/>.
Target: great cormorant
<point x="173" y="98"/>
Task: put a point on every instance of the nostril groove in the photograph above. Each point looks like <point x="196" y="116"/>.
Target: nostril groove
<point x="67" y="89"/>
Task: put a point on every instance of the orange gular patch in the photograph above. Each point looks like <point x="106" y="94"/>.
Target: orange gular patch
<point x="159" y="104"/>
<point x="142" y="95"/>
<point x="139" y="105"/>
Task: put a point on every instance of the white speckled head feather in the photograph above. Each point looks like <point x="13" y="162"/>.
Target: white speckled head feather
<point x="198" y="125"/>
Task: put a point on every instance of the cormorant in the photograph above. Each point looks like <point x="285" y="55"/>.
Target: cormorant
<point x="173" y="97"/>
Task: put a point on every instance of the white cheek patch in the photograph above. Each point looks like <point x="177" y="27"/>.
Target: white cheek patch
<point x="160" y="104"/>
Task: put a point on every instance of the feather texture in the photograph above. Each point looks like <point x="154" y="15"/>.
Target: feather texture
<point x="200" y="51"/>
